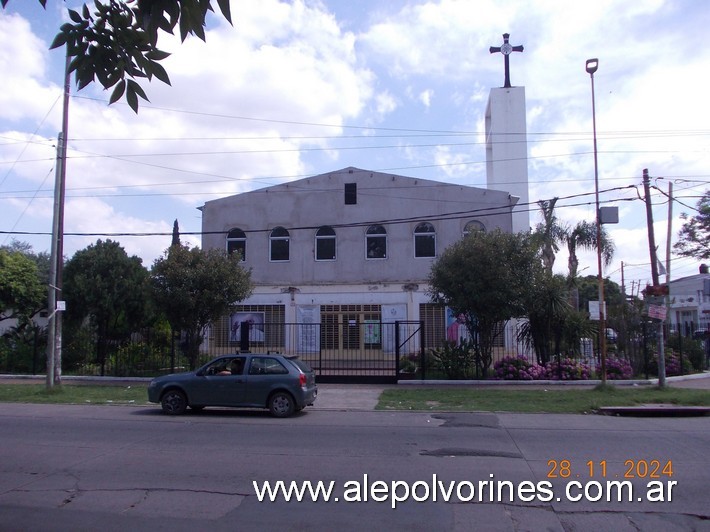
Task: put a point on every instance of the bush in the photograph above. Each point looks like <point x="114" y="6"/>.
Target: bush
<point x="568" y="369"/>
<point x="518" y="369"/>
<point x="618" y="369"/>
<point x="672" y="360"/>
<point x="456" y="361"/>
<point x="406" y="364"/>
<point x="692" y="349"/>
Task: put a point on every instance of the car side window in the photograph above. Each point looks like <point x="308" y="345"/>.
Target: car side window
<point x="266" y="366"/>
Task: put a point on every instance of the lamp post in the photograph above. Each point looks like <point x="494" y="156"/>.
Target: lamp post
<point x="591" y="67"/>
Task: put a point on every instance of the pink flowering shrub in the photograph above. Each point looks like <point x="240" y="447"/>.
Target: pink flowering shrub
<point x="618" y="369"/>
<point x="568" y="369"/>
<point x="518" y="369"/>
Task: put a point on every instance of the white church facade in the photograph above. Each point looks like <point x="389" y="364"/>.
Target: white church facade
<point x="347" y="248"/>
<point x="350" y="251"/>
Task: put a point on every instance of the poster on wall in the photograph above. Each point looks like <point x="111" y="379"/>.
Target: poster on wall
<point x="308" y="329"/>
<point x="372" y="332"/>
<point x="456" y="330"/>
<point x="256" y="326"/>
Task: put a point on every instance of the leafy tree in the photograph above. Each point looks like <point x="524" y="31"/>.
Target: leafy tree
<point x="41" y="259"/>
<point x="694" y="236"/>
<point x="485" y="277"/>
<point x="547" y="309"/>
<point x="107" y="288"/>
<point x="117" y="43"/>
<point x="194" y="287"/>
<point x="548" y="234"/>
<point x="584" y="236"/>
<point x="22" y="293"/>
<point x="589" y="291"/>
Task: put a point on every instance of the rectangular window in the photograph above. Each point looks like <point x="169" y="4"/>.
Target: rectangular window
<point x="279" y="249"/>
<point x="325" y="248"/>
<point x="350" y="193"/>
<point x="425" y="245"/>
<point x="238" y="246"/>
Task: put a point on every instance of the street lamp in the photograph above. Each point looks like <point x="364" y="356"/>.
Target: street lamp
<point x="591" y="67"/>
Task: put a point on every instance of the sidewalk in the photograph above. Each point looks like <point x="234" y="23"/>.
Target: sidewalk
<point x="366" y="396"/>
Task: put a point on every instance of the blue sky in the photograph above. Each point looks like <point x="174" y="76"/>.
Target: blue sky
<point x="301" y="88"/>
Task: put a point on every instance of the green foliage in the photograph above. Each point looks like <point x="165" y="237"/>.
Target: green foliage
<point x="22" y="350"/>
<point x="109" y="289"/>
<point x="547" y="308"/>
<point x="672" y="360"/>
<point x="589" y="291"/>
<point x="193" y="288"/>
<point x="549" y="233"/>
<point x="456" y="361"/>
<point x="21" y="291"/>
<point x="117" y="42"/>
<point x="406" y="365"/>
<point x="692" y="349"/>
<point x="485" y="277"/>
<point x="694" y="236"/>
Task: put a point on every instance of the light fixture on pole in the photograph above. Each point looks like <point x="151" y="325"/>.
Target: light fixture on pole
<point x="591" y="67"/>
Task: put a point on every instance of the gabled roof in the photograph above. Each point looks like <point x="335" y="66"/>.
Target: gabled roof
<point x="381" y="182"/>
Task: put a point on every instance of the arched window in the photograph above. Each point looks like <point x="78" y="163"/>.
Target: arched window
<point x="376" y="242"/>
<point x="472" y="227"/>
<point x="425" y="240"/>
<point x="325" y="243"/>
<point x="279" y="245"/>
<point x="237" y="241"/>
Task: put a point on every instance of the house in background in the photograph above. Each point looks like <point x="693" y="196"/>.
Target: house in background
<point x="690" y="302"/>
<point x="347" y="250"/>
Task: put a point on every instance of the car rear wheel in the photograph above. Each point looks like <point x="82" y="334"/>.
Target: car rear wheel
<point x="174" y="402"/>
<point x="281" y="404"/>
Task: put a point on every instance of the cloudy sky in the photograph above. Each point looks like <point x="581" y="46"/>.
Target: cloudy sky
<point x="305" y="87"/>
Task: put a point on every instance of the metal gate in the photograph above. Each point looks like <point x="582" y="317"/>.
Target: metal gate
<point x="348" y="347"/>
<point x="360" y="350"/>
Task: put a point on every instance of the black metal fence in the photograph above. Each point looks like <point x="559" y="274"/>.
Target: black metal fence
<point x="345" y="351"/>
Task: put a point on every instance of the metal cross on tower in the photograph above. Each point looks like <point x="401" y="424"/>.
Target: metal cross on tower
<point x="506" y="49"/>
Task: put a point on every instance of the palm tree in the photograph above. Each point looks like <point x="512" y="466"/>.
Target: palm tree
<point x="549" y="233"/>
<point x="584" y="236"/>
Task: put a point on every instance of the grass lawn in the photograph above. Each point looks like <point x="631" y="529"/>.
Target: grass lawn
<point x="450" y="398"/>
<point x="74" y="394"/>
<point x="553" y="400"/>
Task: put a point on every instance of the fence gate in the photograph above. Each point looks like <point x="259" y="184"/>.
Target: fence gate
<point x="358" y="348"/>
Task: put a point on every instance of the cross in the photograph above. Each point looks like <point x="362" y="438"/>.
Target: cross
<point x="506" y="49"/>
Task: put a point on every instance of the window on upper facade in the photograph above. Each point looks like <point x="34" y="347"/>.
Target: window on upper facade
<point x="237" y="242"/>
<point x="376" y="242"/>
<point x="325" y="243"/>
<point x="424" y="240"/>
<point x="472" y="227"/>
<point x="279" y="244"/>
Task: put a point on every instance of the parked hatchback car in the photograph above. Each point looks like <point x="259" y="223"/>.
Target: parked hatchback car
<point x="283" y="384"/>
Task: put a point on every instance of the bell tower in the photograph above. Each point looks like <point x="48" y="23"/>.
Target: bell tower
<point x="507" y="142"/>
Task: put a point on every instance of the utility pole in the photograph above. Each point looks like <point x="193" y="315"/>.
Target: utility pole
<point x="654" y="275"/>
<point x="55" y="306"/>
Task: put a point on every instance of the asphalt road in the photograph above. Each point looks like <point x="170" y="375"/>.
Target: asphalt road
<point x="106" y="468"/>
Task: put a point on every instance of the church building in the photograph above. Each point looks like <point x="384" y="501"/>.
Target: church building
<point x="336" y="257"/>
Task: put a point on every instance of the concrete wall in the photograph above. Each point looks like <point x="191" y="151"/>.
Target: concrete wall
<point x="507" y="149"/>
<point x="398" y="203"/>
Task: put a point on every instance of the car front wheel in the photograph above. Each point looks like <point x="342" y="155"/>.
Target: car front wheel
<point x="282" y="404"/>
<point x="174" y="402"/>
